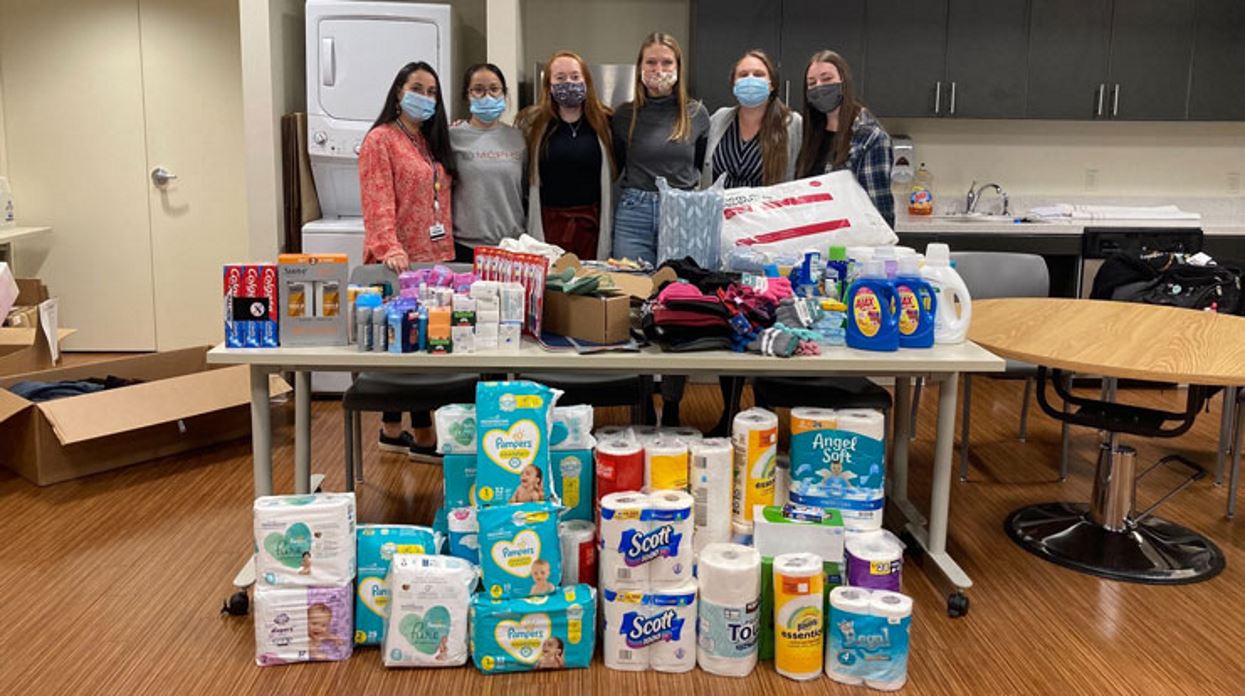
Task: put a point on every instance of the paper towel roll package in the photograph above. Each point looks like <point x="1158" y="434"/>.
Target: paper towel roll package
<point x="838" y="461"/>
<point x="665" y="464"/>
<point x="557" y="631"/>
<point x="619" y="466"/>
<point x="711" y="474"/>
<point x="874" y="560"/>
<point x="765" y="647"/>
<point x="624" y="516"/>
<point x="572" y="428"/>
<point x="754" y="435"/>
<point x="513" y="421"/>
<point x="430" y="597"/>
<point x="456" y="428"/>
<point x="458" y="472"/>
<point x="302" y="624"/>
<point x="794" y="528"/>
<point x="799" y="616"/>
<point x="730" y="600"/>
<point x="573" y="478"/>
<point x="869" y="638"/>
<point x="306" y="540"/>
<point x="520" y="554"/>
<point x="650" y="630"/>
<point x="464" y="534"/>
<point x="377" y="545"/>
<point x="579" y="552"/>
<point x="613" y="432"/>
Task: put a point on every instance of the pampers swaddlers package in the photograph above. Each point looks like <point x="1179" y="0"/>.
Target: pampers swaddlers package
<point x="520" y="555"/>
<point x="377" y="546"/>
<point x="557" y="631"/>
<point x="513" y="422"/>
<point x="306" y="540"/>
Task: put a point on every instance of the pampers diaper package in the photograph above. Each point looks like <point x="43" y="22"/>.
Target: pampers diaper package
<point x="306" y="540"/>
<point x="302" y="624"/>
<point x="557" y="631"/>
<point x="520" y="555"/>
<point x="459" y="473"/>
<point x="573" y="477"/>
<point x="377" y="545"/>
<point x="513" y="421"/>
<point x="428" y="611"/>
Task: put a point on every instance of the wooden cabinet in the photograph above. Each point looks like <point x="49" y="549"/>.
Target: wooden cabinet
<point x="1215" y="92"/>
<point x="721" y="31"/>
<point x="906" y="58"/>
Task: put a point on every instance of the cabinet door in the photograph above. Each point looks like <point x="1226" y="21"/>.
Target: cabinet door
<point x="1218" y="62"/>
<point x="906" y="57"/>
<point x="986" y="58"/>
<point x="1151" y="48"/>
<point x="721" y="31"/>
<point x="808" y="27"/>
<point x="1069" y="42"/>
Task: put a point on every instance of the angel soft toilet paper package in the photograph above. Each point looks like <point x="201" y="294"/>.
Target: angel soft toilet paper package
<point x="557" y="631"/>
<point x="377" y="545"/>
<point x="838" y="461"/>
<point x="513" y="420"/>
<point x="302" y="624"/>
<point x="520" y="553"/>
<point x="306" y="540"/>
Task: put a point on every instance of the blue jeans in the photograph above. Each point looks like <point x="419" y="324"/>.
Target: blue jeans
<point x="635" y="225"/>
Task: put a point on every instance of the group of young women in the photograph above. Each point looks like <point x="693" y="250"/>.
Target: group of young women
<point x="432" y="192"/>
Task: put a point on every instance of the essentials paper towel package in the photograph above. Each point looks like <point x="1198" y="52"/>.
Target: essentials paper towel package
<point x="573" y="479"/>
<point x="456" y="428"/>
<point x="795" y="528"/>
<point x="653" y="629"/>
<point x="513" y="420"/>
<point x="832" y="578"/>
<point x="754" y="435"/>
<point x="302" y="624"/>
<point x="463" y="530"/>
<point x="869" y="638"/>
<point x="799" y="616"/>
<point x="729" y="605"/>
<point x="430" y="597"/>
<point x="556" y="631"/>
<point x="711" y="474"/>
<point x="838" y="461"/>
<point x="645" y="540"/>
<point x="306" y="540"/>
<point x="459" y="475"/>
<point x="572" y="428"/>
<point x="520" y="554"/>
<point x="377" y="545"/>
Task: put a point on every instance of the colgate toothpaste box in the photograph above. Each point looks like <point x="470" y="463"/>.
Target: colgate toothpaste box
<point x="251" y="296"/>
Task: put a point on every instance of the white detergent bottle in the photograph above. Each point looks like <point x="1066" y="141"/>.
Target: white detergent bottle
<point x="949" y="327"/>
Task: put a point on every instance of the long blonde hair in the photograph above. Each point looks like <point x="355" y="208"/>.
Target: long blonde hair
<point x="774" y="123"/>
<point x="683" y="121"/>
<point x="538" y="121"/>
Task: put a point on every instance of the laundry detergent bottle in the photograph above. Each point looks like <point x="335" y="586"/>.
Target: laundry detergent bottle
<point x="871" y="322"/>
<point x="916" y="305"/>
<point x="949" y="291"/>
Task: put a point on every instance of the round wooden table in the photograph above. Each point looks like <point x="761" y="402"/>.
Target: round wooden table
<point x="1107" y="537"/>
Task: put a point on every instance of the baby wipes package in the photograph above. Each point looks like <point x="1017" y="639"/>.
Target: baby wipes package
<point x="456" y="428"/>
<point x="520" y="555"/>
<point x="513" y="420"/>
<point x="572" y="428"/>
<point x="556" y="631"/>
<point x="377" y="544"/>
<point x="427" y="624"/>
<point x="464" y="534"/>
<point x="302" y="624"/>
<point x="459" y="474"/>
<point x="573" y="477"/>
<point x="306" y="540"/>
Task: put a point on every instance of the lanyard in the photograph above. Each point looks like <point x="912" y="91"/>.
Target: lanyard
<point x="427" y="155"/>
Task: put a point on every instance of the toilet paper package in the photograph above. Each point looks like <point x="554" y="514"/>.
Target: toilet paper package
<point x="687" y="435"/>
<point x="619" y="609"/>
<point x="754" y="435"/>
<point x="520" y="554"/>
<point x="799" y="616"/>
<point x="513" y="421"/>
<point x="727" y="616"/>
<point x="579" y="552"/>
<point x="619" y="466"/>
<point x="665" y="464"/>
<point x="838" y="461"/>
<point x="302" y="624"/>
<point x="874" y="560"/>
<point x="463" y="530"/>
<point x="573" y="479"/>
<point x="612" y="432"/>
<point x="650" y="630"/>
<point x="667" y="546"/>
<point x="624" y="516"/>
<point x="430" y="597"/>
<point x="459" y="474"/>
<point x="306" y="540"/>
<point x="572" y="428"/>
<point x="794" y="528"/>
<point x="377" y="545"/>
<point x="710" y="484"/>
<point x="556" y="631"/>
<point x="456" y="428"/>
<point x="869" y="638"/>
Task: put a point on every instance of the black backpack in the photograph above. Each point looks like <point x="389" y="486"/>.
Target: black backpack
<point x="1163" y="279"/>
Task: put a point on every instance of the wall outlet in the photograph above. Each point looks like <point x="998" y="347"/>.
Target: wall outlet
<point x="1091" y="179"/>
<point x="1234" y="183"/>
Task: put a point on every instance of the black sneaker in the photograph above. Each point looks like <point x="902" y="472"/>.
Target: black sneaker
<point x="402" y="443"/>
<point x="423" y="453"/>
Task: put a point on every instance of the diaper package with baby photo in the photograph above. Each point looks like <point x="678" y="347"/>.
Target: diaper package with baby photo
<point x="459" y="473"/>
<point x="306" y="540"/>
<point x="377" y="545"/>
<point x="557" y="631"/>
<point x="302" y="624"/>
<point x="520" y="555"/>
<point x="513" y="421"/>
<point x="430" y="597"/>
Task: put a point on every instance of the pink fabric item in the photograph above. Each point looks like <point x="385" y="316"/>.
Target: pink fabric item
<point x="684" y="291"/>
<point x="777" y="289"/>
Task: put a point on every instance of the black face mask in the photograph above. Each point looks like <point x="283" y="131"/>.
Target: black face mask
<point x="826" y="98"/>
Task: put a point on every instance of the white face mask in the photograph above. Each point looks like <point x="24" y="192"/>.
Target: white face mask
<point x="661" y="80"/>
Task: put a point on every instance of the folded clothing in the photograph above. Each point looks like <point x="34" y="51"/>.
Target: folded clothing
<point x="708" y="281"/>
<point x="48" y="391"/>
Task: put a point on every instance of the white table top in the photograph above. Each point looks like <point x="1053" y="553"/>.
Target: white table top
<point x="13" y="234"/>
<point x="941" y="359"/>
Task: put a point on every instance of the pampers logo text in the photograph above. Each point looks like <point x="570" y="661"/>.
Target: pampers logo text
<point x="643" y="630"/>
<point x="638" y="548"/>
<point x="502" y="444"/>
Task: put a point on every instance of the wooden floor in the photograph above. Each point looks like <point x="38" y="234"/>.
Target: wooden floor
<point x="113" y="584"/>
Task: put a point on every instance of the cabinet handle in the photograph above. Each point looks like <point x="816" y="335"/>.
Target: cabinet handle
<point x="1102" y="91"/>
<point x="938" y="97"/>
<point x="951" y="110"/>
<point x="787" y="99"/>
<point x="1115" y="101"/>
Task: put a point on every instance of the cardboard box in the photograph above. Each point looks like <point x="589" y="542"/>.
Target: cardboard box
<point x="183" y="404"/>
<point x="588" y="317"/>
<point x="638" y="286"/>
<point x="25" y="346"/>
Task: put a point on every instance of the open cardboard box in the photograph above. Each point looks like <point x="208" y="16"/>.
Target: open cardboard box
<point x="26" y="348"/>
<point x="638" y="286"/>
<point x="598" y="318"/>
<point x="183" y="404"/>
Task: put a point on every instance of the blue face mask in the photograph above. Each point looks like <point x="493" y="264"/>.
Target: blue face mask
<point x="751" y="91"/>
<point x="488" y="109"/>
<point x="418" y="107"/>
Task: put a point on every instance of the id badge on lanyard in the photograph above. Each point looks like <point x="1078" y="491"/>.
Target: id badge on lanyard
<point x="436" y="231"/>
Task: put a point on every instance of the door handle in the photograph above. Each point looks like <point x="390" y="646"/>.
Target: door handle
<point x="787" y="99"/>
<point x="938" y="97"/>
<point x="1115" y="101"/>
<point x="951" y="110"/>
<point x="328" y="67"/>
<point x="161" y="177"/>
<point x="1102" y="91"/>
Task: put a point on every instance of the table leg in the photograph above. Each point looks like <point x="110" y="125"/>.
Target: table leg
<point x="1226" y="421"/>
<point x="1234" y="477"/>
<point x="302" y="432"/>
<point x="261" y="432"/>
<point x="901" y="424"/>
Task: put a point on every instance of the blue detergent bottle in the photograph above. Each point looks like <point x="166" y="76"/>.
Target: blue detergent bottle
<point x="872" y="323"/>
<point x="916" y="305"/>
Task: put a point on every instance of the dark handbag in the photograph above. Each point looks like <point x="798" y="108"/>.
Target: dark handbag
<point x="1217" y="288"/>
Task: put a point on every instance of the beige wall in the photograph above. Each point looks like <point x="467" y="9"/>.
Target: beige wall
<point x="602" y="31"/>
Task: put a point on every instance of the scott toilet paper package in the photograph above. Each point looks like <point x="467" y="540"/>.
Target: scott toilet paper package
<point x="377" y="545"/>
<point x="645" y="540"/>
<point x="430" y="597"/>
<point x="456" y="428"/>
<point x="513" y="421"/>
<point x="306" y="540"/>
<point x="650" y="630"/>
<point x="573" y="477"/>
<point x="555" y="631"/>
<point x="302" y="624"/>
<point x="520" y="554"/>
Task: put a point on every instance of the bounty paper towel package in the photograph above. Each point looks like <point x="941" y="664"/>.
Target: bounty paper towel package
<point x="430" y="597"/>
<point x="302" y="624"/>
<point x="572" y="428"/>
<point x="520" y="554"/>
<point x="464" y="534"/>
<point x="573" y="476"/>
<point x="459" y="473"/>
<point x="306" y="540"/>
<point x="832" y="578"/>
<point x="456" y="428"/>
<point x="512" y="424"/>
<point x="838" y="461"/>
<point x="377" y="544"/>
<point x="555" y="631"/>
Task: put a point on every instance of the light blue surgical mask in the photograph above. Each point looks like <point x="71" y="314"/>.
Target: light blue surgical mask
<point x="751" y="91"/>
<point x="418" y="107"/>
<point x="488" y="109"/>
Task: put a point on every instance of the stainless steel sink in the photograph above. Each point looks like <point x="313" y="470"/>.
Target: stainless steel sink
<point x="975" y="217"/>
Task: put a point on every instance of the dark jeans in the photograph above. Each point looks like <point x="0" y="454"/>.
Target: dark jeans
<point x="419" y="419"/>
<point x="464" y="253"/>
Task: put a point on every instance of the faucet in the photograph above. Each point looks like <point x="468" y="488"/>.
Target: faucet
<point x="974" y="197"/>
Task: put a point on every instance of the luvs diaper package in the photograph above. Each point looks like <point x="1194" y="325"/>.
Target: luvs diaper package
<point x="428" y="611"/>
<point x="306" y="540"/>
<point x="513" y="420"/>
<point x="557" y="631"/>
<point x="520" y="555"/>
<point x="377" y="545"/>
<point x="302" y="624"/>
